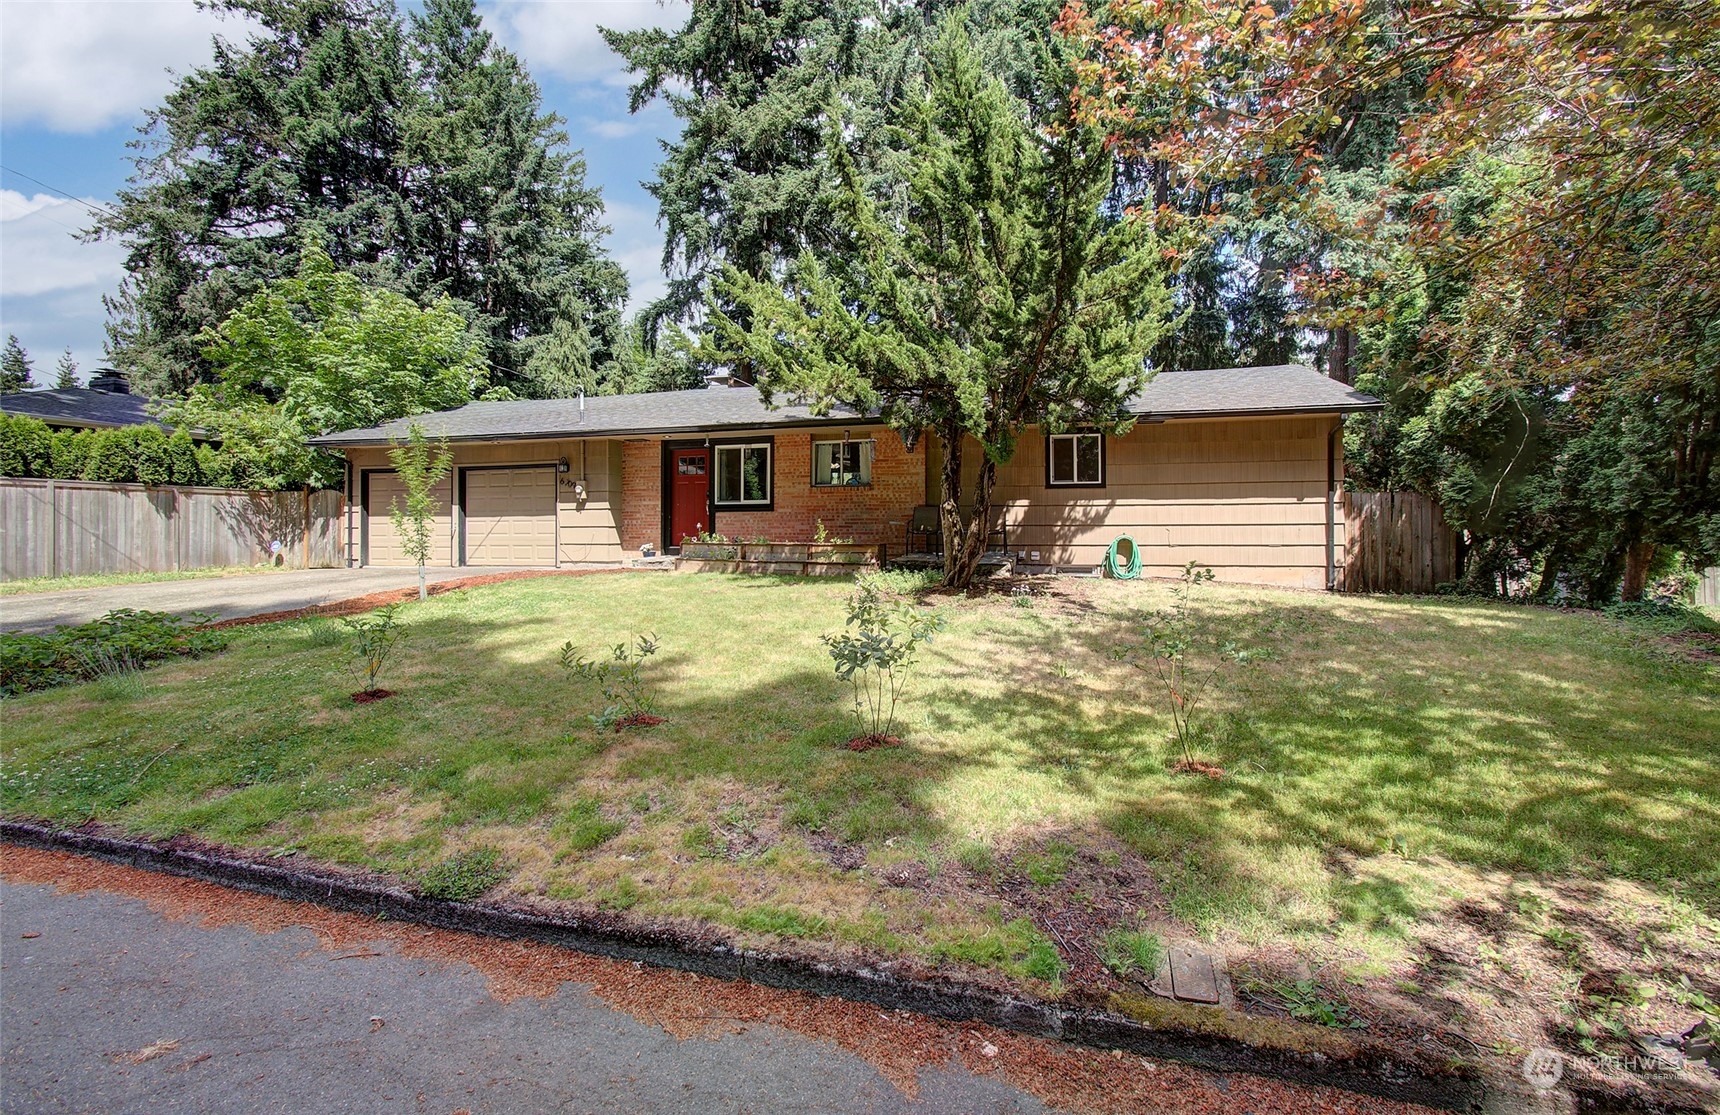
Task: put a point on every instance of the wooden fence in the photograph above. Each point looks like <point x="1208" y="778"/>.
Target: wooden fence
<point x="56" y="528"/>
<point x="1708" y="587"/>
<point x="1395" y="542"/>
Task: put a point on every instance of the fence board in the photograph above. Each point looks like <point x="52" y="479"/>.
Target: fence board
<point x="1708" y="587"/>
<point x="1395" y="542"/>
<point x="68" y="527"/>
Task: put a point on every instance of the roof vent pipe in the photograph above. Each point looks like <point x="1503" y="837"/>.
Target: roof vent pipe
<point x="582" y="400"/>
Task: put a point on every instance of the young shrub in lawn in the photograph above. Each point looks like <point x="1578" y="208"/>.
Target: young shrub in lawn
<point x="876" y="654"/>
<point x="631" y="702"/>
<point x="1180" y="649"/>
<point x="420" y="467"/>
<point x="374" y="638"/>
<point x="120" y="643"/>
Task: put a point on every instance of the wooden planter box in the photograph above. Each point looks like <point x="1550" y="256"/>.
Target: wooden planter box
<point x="794" y="559"/>
<point x="709" y="551"/>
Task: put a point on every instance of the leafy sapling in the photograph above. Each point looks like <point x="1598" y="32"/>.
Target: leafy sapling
<point x="374" y="638"/>
<point x="631" y="702"/>
<point x="1180" y="649"/>
<point x="876" y="654"/>
<point x="421" y="468"/>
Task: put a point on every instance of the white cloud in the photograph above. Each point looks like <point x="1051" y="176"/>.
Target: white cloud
<point x="560" y="36"/>
<point x="39" y="251"/>
<point x="83" y="65"/>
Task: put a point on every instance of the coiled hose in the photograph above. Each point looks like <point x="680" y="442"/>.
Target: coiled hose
<point x="1118" y="569"/>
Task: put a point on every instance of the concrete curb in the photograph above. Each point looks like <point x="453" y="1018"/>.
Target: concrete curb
<point x="1370" y="1071"/>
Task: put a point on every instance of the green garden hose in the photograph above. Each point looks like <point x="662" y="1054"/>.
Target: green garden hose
<point x="1116" y="568"/>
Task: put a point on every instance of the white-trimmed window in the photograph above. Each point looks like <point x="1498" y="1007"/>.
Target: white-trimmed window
<point x="837" y="464"/>
<point x="1075" y="460"/>
<point x="743" y="475"/>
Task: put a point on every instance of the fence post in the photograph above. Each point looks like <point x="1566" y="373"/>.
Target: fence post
<point x="53" y="531"/>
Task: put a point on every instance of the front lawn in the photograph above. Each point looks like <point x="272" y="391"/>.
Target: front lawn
<point x="1465" y="818"/>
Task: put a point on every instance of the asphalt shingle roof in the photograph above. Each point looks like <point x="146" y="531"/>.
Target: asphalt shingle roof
<point x="78" y="406"/>
<point x="1281" y="389"/>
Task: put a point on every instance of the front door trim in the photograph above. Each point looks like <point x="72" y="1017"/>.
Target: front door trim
<point x="668" y="501"/>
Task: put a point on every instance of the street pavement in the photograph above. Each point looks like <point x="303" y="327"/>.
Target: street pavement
<point x="225" y="597"/>
<point x="113" y="1008"/>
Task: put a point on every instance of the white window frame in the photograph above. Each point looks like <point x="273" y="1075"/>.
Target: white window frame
<point x="717" y="452"/>
<point x="867" y="456"/>
<point x="1075" y="481"/>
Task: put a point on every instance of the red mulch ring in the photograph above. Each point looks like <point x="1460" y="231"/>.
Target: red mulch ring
<point x="874" y="740"/>
<point x="360" y="604"/>
<point x="639" y="720"/>
<point x="368" y="696"/>
<point x="1187" y="767"/>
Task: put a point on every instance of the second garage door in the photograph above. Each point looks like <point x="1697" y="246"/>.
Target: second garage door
<point x="510" y="516"/>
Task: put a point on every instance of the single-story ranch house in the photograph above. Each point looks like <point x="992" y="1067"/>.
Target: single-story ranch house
<point x="1237" y="468"/>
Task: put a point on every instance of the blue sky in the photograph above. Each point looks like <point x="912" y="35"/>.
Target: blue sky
<point x="76" y="77"/>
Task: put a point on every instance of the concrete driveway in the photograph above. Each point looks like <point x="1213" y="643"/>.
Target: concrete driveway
<point x="226" y="597"/>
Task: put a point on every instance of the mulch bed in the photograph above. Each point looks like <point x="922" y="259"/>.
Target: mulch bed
<point x="639" y="720"/>
<point x="1187" y="766"/>
<point x="872" y="742"/>
<point x="369" y="603"/>
<point x="370" y="696"/>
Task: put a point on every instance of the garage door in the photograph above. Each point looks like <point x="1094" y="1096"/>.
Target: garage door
<point x="382" y="542"/>
<point x="510" y="516"/>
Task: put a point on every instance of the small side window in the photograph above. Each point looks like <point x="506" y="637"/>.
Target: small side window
<point x="1075" y="460"/>
<point x="838" y="464"/>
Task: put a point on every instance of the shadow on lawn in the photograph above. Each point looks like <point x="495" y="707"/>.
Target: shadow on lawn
<point x="1432" y="733"/>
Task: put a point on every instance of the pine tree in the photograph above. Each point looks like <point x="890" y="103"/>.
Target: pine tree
<point x="15" y="367"/>
<point x="68" y="371"/>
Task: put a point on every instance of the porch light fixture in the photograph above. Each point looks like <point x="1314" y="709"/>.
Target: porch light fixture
<point x="561" y="465"/>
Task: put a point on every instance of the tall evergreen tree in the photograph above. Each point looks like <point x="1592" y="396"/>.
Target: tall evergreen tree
<point x="15" y="367"/>
<point x="748" y="183"/>
<point x="997" y="294"/>
<point x="67" y="370"/>
<point x="422" y="160"/>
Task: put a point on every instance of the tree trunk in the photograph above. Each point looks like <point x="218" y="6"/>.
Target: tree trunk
<point x="950" y="501"/>
<point x="423" y="592"/>
<point x="1551" y="566"/>
<point x="1338" y="357"/>
<point x="1638" y="556"/>
<point x="960" y="574"/>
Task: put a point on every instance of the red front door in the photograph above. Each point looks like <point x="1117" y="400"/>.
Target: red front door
<point x="689" y="494"/>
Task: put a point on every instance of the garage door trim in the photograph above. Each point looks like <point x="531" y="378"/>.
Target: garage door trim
<point x="553" y="467"/>
<point x="364" y="509"/>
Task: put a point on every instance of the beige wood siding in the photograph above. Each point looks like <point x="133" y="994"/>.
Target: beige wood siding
<point x="1246" y="497"/>
<point x="509" y="516"/>
<point x="588" y="530"/>
<point x="383" y="542"/>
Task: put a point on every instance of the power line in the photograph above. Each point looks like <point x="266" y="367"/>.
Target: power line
<point x="68" y="196"/>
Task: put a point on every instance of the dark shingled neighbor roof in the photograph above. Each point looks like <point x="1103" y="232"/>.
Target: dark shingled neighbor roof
<point x="1213" y="393"/>
<point x="78" y="406"/>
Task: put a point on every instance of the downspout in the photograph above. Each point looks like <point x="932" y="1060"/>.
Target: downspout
<point x="1331" y="504"/>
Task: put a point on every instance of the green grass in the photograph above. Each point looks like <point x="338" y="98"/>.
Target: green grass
<point x="29" y="585"/>
<point x="1390" y="754"/>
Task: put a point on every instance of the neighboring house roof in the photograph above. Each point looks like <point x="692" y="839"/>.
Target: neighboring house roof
<point x="1282" y="389"/>
<point x="78" y="406"/>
